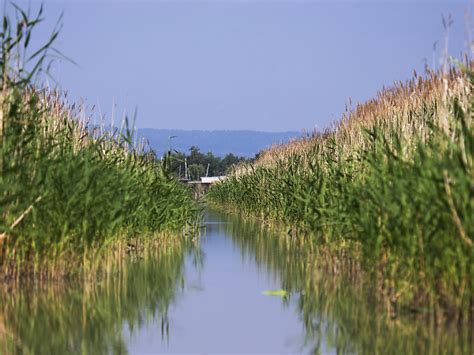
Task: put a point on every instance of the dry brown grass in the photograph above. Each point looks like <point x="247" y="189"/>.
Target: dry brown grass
<point x="392" y="108"/>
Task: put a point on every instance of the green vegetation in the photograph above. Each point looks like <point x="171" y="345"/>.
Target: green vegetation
<point x="279" y="293"/>
<point x="66" y="192"/>
<point x="391" y="185"/>
<point x="199" y="164"/>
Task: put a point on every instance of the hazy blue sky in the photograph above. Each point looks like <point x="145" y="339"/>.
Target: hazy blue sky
<point x="263" y="65"/>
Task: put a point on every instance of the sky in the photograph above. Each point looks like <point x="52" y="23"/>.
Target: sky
<point x="239" y="64"/>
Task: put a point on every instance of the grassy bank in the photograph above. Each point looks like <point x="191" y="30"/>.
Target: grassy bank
<point x="391" y="184"/>
<point x="68" y="191"/>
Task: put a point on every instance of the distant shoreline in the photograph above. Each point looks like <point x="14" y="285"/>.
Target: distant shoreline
<point x="245" y="143"/>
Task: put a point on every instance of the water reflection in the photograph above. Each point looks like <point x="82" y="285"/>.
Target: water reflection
<point x="220" y="308"/>
<point x="89" y="318"/>
<point x="339" y="312"/>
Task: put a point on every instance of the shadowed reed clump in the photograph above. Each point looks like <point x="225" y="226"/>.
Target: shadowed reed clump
<point x="392" y="184"/>
<point x="67" y="189"/>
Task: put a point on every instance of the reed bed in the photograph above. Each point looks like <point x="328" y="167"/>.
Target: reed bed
<point x="67" y="189"/>
<point x="391" y="184"/>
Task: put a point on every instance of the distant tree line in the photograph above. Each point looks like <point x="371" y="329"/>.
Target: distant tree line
<point x="200" y="164"/>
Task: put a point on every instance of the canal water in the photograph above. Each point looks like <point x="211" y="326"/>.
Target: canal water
<point x="212" y="297"/>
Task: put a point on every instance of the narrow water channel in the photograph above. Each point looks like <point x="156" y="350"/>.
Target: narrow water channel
<point x="209" y="298"/>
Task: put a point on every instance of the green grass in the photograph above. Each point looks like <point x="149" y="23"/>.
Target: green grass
<point x="392" y="184"/>
<point x="68" y="191"/>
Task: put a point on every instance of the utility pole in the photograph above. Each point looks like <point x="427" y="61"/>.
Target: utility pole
<point x="186" y="168"/>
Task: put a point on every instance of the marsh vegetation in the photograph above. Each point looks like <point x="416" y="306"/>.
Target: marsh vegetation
<point x="391" y="185"/>
<point x="68" y="192"/>
<point x="377" y="215"/>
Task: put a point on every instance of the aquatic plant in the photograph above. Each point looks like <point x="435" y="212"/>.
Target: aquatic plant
<point x="68" y="190"/>
<point x="391" y="184"/>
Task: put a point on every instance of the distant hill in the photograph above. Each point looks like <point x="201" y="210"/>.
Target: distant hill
<point x="220" y="143"/>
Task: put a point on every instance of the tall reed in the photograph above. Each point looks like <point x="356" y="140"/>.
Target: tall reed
<point x="392" y="183"/>
<point x="66" y="189"/>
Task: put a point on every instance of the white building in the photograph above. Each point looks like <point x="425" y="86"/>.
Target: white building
<point x="212" y="179"/>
